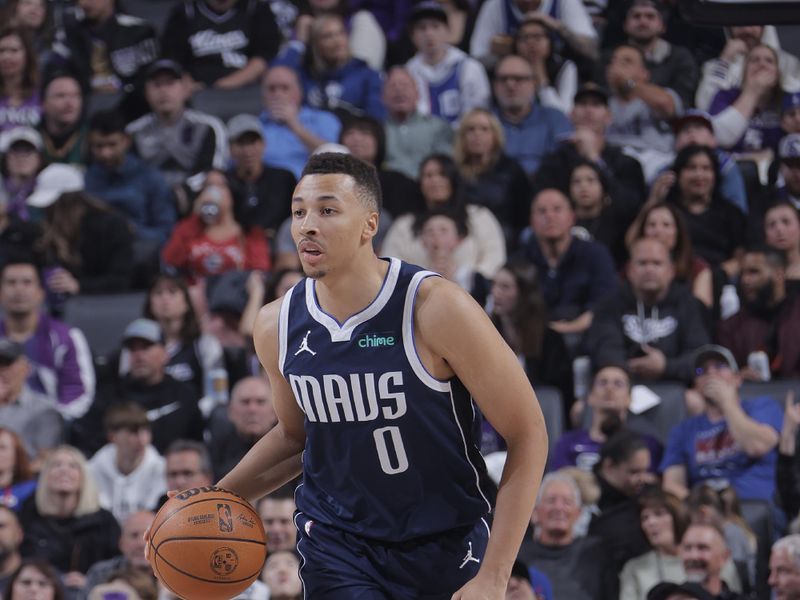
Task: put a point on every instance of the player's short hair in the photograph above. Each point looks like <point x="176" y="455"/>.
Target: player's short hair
<point x="192" y="446"/>
<point x="365" y="175"/>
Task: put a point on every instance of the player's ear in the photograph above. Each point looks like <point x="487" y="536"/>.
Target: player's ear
<point x="370" y="229"/>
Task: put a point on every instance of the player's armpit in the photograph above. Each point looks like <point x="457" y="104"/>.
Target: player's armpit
<point x="451" y="326"/>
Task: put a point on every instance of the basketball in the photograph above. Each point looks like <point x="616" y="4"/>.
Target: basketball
<point x="207" y="544"/>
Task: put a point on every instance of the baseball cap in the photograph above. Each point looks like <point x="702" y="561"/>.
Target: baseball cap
<point x="241" y="124"/>
<point x="703" y="353"/>
<point x="10" y="350"/>
<point x="789" y="147"/>
<point x="791" y="100"/>
<point x="143" y="329"/>
<point x="20" y="134"/>
<point x="693" y="115"/>
<point x="53" y="181"/>
<point x="664" y="590"/>
<point x="164" y="66"/>
<point x="429" y="9"/>
<point x="592" y="90"/>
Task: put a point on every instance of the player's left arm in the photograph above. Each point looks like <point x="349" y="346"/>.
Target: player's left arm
<point x="455" y="336"/>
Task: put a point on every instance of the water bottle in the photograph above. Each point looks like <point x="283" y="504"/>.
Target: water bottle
<point x="758" y="362"/>
<point x="728" y="301"/>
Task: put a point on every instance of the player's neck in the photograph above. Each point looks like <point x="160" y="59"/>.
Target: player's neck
<point x="346" y="293"/>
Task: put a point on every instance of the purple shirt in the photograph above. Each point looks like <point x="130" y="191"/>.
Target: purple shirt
<point x="576" y="449"/>
<point x="61" y="365"/>
<point x="763" y="129"/>
<point x="28" y="113"/>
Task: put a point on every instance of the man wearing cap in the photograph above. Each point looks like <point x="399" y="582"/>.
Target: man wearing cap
<point x="732" y="439"/>
<point x="21" y="152"/>
<point x="531" y="130"/>
<point x="590" y="117"/>
<point x="768" y="320"/>
<point x="61" y="366"/>
<point x="63" y="125"/>
<point x="726" y="71"/>
<point x="410" y="135"/>
<point x="678" y="591"/>
<point x="262" y="194"/>
<point x="787" y="186"/>
<point x="128" y="470"/>
<point x="670" y="66"/>
<point x="171" y="406"/>
<point x="450" y="82"/>
<point x="784" y="567"/>
<point x="29" y="414"/>
<point x="527" y="583"/>
<point x="225" y="44"/>
<point x="177" y="140"/>
<point x="292" y="129"/>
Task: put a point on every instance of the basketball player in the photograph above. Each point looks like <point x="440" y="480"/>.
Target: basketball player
<point x="373" y="365"/>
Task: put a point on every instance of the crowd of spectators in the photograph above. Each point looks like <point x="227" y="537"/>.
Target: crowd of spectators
<point x="619" y="188"/>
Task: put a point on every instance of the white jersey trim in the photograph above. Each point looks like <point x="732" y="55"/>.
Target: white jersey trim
<point x="343" y="332"/>
<point x="408" y="335"/>
<point x="283" y="328"/>
<point x="466" y="455"/>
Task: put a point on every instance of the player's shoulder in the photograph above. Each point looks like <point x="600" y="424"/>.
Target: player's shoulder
<point x="268" y="319"/>
<point x="440" y="299"/>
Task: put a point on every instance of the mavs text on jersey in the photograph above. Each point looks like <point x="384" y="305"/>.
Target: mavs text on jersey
<point x="390" y="450"/>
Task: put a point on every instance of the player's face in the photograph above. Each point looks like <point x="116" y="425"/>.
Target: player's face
<point x="782" y="228"/>
<point x="281" y="575"/>
<point x="784" y="575"/>
<point x="131" y="540"/>
<point x="277" y="515"/>
<point x="505" y="292"/>
<point x="330" y="223"/>
<point x="32" y="584"/>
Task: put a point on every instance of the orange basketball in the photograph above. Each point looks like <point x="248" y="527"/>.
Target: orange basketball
<point x="207" y="544"/>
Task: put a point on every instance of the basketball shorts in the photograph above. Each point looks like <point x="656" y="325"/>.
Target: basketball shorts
<point x="337" y="565"/>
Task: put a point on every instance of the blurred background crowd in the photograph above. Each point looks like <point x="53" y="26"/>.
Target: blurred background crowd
<point x="617" y="186"/>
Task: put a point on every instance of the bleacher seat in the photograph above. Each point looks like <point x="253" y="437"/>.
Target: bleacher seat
<point x="103" y="318"/>
<point x="553" y="410"/>
<point x="154" y="12"/>
<point x="229" y="103"/>
<point x="774" y="389"/>
<point x="758" y="515"/>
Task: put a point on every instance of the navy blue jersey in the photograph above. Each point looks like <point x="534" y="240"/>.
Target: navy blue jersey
<point x="390" y="452"/>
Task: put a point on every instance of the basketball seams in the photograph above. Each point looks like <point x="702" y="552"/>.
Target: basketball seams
<point x="201" y="499"/>
<point x="215" y="581"/>
<point x="209" y="538"/>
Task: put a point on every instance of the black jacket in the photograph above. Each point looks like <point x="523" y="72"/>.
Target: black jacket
<point x="171" y="407"/>
<point x="71" y="544"/>
<point x="622" y="324"/>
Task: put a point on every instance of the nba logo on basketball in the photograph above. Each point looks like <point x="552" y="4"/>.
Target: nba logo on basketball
<point x="225" y="518"/>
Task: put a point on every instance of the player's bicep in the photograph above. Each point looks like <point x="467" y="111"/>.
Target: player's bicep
<point x="265" y="338"/>
<point x="457" y="329"/>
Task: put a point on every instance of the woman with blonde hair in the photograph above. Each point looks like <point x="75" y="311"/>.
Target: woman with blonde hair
<point x="491" y="178"/>
<point x="63" y="521"/>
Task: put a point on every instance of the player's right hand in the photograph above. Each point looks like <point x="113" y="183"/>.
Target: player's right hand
<point x="146" y="536"/>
